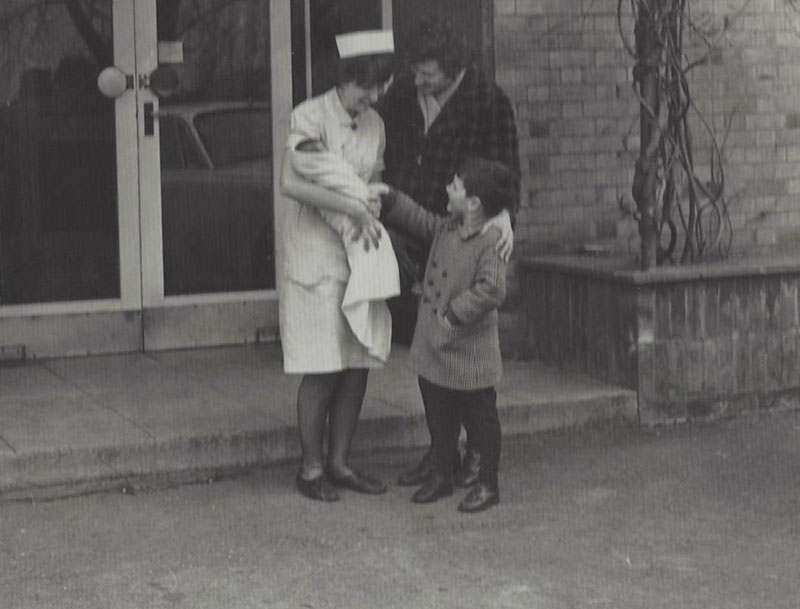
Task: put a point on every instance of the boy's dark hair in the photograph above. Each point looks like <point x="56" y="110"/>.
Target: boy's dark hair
<point x="435" y="39"/>
<point x="365" y="70"/>
<point x="491" y="181"/>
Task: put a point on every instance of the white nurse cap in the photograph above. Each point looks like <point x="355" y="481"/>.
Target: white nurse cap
<point x="367" y="42"/>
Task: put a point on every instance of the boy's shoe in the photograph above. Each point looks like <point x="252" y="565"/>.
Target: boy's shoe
<point x="421" y="473"/>
<point x="435" y="488"/>
<point x="467" y="474"/>
<point x="481" y="497"/>
<point x="418" y="474"/>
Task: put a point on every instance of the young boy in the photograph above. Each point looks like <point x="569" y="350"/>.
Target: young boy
<point x="456" y="348"/>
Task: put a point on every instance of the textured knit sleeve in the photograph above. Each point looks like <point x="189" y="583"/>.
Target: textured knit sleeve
<point x="488" y="289"/>
<point x="402" y="211"/>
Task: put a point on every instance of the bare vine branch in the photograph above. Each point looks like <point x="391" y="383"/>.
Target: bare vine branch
<point x="680" y="196"/>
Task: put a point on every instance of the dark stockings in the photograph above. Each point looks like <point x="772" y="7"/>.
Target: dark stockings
<point x="335" y="398"/>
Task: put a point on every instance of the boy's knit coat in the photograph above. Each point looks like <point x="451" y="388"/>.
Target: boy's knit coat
<point x="466" y="276"/>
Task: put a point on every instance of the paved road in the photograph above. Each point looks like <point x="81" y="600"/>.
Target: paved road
<point x="698" y="516"/>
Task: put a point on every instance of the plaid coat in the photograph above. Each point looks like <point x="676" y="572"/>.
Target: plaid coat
<point x="477" y="121"/>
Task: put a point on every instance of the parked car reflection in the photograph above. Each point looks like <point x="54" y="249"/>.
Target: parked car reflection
<point x="217" y="199"/>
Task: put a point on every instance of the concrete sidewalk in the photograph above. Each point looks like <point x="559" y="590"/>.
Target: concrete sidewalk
<point x="100" y="421"/>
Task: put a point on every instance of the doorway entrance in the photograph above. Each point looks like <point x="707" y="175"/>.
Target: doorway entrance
<point x="136" y="222"/>
<point x="147" y="221"/>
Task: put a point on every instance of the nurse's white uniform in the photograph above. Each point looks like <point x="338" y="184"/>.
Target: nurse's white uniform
<point x="315" y="335"/>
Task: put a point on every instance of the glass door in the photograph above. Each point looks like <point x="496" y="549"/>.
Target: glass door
<point x="69" y="231"/>
<point x="210" y="155"/>
<point x="208" y="172"/>
<point x="147" y="219"/>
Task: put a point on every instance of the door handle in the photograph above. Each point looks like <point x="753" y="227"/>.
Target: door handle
<point x="163" y="81"/>
<point x="149" y="116"/>
<point x="113" y="82"/>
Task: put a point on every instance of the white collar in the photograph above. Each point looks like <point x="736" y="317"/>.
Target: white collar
<point x="431" y="105"/>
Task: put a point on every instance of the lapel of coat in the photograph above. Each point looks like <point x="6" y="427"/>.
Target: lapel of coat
<point x="460" y="108"/>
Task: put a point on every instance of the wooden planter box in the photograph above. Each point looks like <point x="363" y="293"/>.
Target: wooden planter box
<point x="694" y="341"/>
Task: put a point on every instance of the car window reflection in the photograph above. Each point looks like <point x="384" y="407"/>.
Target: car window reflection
<point x="233" y="137"/>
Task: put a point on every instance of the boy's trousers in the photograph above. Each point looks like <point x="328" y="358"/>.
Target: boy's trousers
<point x="446" y="409"/>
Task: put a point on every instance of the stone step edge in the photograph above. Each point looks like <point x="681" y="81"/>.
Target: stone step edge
<point x="53" y="474"/>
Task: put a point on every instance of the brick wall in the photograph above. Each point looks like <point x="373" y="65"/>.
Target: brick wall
<point x="694" y="342"/>
<point x="564" y="66"/>
<point x="719" y="345"/>
<point x="581" y="322"/>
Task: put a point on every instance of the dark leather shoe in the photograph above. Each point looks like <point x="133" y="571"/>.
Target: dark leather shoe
<point x="467" y="474"/>
<point x="417" y="475"/>
<point x="481" y="497"/>
<point x="317" y="488"/>
<point x="356" y="481"/>
<point x="421" y="473"/>
<point x="435" y="488"/>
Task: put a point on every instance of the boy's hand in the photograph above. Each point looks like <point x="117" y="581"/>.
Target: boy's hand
<point x="374" y="207"/>
<point x="504" y="245"/>
<point x="376" y="189"/>
<point x="449" y="319"/>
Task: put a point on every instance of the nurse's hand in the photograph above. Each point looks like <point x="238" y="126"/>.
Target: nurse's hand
<point x="367" y="228"/>
<point x="505" y="244"/>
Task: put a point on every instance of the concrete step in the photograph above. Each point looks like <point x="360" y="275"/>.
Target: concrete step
<point x="68" y="425"/>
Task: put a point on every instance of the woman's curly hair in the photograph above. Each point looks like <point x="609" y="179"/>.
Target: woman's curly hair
<point x="436" y="39"/>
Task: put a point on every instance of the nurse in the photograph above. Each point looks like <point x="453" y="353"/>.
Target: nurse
<point x="316" y="338"/>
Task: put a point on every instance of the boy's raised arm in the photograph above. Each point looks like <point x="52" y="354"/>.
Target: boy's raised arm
<point x="403" y="212"/>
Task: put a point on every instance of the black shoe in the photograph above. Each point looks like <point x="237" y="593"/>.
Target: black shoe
<point x="467" y="474"/>
<point x="421" y="473"/>
<point x="417" y="475"/>
<point x="436" y="487"/>
<point x="317" y="488"/>
<point x="481" y="497"/>
<point x="356" y="481"/>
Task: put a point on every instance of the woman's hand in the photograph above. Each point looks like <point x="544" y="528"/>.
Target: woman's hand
<point x="367" y="228"/>
<point x="504" y="245"/>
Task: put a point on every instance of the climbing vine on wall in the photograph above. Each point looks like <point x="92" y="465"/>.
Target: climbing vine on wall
<point x="680" y="205"/>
